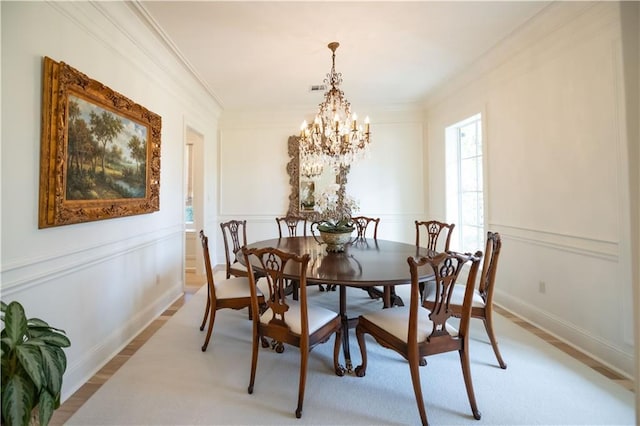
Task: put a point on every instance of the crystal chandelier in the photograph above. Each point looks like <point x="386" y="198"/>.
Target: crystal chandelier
<point x="334" y="138"/>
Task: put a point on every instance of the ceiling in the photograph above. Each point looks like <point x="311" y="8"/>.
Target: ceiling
<point x="268" y="54"/>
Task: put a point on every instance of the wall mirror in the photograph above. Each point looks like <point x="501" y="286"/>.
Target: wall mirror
<point x="304" y="189"/>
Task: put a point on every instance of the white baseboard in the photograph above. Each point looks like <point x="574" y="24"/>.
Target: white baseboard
<point x="617" y="359"/>
<point x="78" y="373"/>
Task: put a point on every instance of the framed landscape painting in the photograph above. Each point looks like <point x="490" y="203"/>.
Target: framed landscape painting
<point x="99" y="154"/>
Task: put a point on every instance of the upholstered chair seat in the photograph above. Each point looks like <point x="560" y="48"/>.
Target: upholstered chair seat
<point x="395" y="322"/>
<point x="317" y="317"/>
<point x="457" y="297"/>
<point x="233" y="288"/>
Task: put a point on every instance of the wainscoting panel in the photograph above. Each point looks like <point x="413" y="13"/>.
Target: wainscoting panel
<point x="570" y="287"/>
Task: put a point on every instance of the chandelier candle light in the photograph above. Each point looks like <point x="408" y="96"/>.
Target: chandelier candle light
<point x="334" y="138"/>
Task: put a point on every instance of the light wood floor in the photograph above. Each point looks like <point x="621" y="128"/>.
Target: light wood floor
<point x="73" y="403"/>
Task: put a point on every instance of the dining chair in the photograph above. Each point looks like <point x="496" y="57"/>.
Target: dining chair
<point x="296" y="225"/>
<point x="233" y="293"/>
<point x="415" y="332"/>
<point x="388" y="293"/>
<point x="294" y="322"/>
<point x="438" y="234"/>
<point x="362" y="224"/>
<point x="234" y="234"/>
<point x="482" y="301"/>
<point x="437" y="238"/>
<point x="313" y="227"/>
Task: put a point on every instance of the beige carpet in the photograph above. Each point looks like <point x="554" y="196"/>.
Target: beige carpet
<point x="169" y="381"/>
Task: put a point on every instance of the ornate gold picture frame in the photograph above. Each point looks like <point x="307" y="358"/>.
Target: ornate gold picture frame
<point x="99" y="152"/>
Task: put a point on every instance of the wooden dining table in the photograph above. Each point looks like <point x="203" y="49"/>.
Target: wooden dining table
<point x="365" y="263"/>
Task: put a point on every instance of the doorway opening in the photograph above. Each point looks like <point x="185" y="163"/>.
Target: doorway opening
<point x="193" y="208"/>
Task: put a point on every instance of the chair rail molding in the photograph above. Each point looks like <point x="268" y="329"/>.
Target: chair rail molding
<point x="26" y="273"/>
<point x="602" y="249"/>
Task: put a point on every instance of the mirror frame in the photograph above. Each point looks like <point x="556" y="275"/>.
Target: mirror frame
<point x="293" y="169"/>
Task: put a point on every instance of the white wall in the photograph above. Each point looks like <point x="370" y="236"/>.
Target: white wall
<point x="254" y="184"/>
<point x="630" y="21"/>
<point x="103" y="281"/>
<point x="556" y="173"/>
<point x="556" y="101"/>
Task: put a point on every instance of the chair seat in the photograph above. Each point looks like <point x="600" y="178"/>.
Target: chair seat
<point x="234" y="288"/>
<point x="395" y="320"/>
<point x="237" y="267"/>
<point x="317" y="316"/>
<point x="457" y="296"/>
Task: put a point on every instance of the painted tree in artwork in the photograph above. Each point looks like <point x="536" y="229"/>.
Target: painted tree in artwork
<point x="138" y="152"/>
<point x="105" y="127"/>
<point x="82" y="147"/>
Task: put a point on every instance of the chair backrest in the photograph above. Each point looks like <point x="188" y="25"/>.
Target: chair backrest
<point x="363" y="222"/>
<point x="234" y="234"/>
<point x="490" y="266"/>
<point x="207" y="264"/>
<point x="446" y="267"/>
<point x="273" y="263"/>
<point x="296" y="225"/>
<point x="438" y="235"/>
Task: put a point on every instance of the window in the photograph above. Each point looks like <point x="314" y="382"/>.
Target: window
<point x="464" y="184"/>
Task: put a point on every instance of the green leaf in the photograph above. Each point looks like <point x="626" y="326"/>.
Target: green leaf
<point x="37" y="322"/>
<point x="53" y="368"/>
<point x="17" y="401"/>
<point x="62" y="358"/>
<point x="15" y="323"/>
<point x="54" y="338"/>
<point x="335" y="229"/>
<point x="46" y="406"/>
<point x="3" y="306"/>
<point x="31" y="360"/>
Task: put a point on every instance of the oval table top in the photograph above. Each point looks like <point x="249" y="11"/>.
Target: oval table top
<point x="364" y="263"/>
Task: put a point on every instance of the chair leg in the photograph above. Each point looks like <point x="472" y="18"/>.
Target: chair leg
<point x="206" y="310"/>
<point x="328" y="288"/>
<point x="254" y="358"/>
<point x="414" y="368"/>
<point x="372" y="294"/>
<point x="361" y="370"/>
<point x="304" y="358"/>
<point x="212" y="310"/>
<point x="466" y="373"/>
<point x="296" y="287"/>
<point x="292" y="288"/>
<point x="488" y="325"/>
<point x="336" y="354"/>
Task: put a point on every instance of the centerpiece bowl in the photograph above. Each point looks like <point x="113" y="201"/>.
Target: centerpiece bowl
<point x="335" y="240"/>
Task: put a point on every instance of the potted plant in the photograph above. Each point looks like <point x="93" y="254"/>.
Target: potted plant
<point x="33" y="363"/>
<point x="335" y="209"/>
